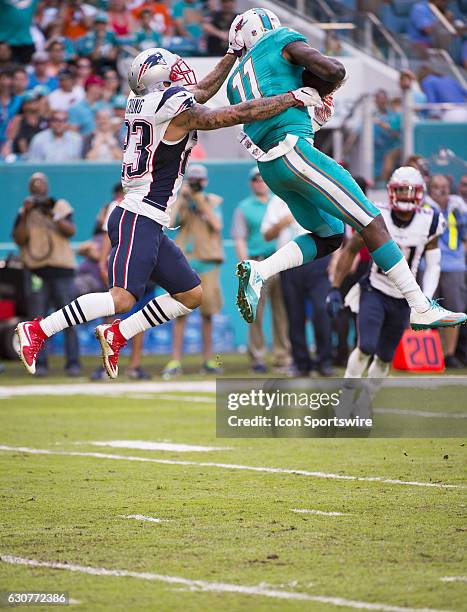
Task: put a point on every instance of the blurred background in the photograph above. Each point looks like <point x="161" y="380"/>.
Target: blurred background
<point x="63" y="67"/>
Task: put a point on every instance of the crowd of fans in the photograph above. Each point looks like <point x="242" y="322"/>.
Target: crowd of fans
<point x="66" y="59"/>
<point x="261" y="223"/>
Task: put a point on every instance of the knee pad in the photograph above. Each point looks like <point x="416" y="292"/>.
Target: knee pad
<point x="325" y="246"/>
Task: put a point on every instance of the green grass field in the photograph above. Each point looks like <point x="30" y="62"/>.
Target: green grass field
<point x="223" y="526"/>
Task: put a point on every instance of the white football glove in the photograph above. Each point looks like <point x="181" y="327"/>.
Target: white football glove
<point x="323" y="113"/>
<point x="306" y="96"/>
<point x="236" y="44"/>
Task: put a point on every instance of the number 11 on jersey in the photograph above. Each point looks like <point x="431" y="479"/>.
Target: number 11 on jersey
<point x="245" y="79"/>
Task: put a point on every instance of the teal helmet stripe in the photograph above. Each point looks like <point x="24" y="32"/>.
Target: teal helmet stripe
<point x="265" y="19"/>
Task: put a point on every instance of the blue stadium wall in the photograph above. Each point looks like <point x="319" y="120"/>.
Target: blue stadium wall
<point x="87" y="186"/>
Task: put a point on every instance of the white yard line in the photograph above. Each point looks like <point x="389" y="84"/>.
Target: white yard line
<point x="318" y="512"/>
<point x="229" y="466"/>
<point x="141" y="517"/>
<point x="109" y="388"/>
<point x="157" y="446"/>
<point x="201" y="386"/>
<point x="197" y="399"/>
<point x="422" y="413"/>
<point x="213" y="587"/>
<point x="454" y="579"/>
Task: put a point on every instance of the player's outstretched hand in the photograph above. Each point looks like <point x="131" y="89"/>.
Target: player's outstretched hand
<point x="306" y="96"/>
<point x="325" y="111"/>
<point x="236" y="43"/>
<point x="334" y="302"/>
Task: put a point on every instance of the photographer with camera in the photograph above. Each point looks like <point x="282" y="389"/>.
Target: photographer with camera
<point x="42" y="230"/>
<point x="200" y="219"/>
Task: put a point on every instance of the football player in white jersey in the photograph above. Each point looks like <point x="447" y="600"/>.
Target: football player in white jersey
<point x="163" y="112"/>
<point x="383" y="313"/>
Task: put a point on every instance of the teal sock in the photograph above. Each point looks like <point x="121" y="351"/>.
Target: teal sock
<point x="307" y="247"/>
<point x="387" y="255"/>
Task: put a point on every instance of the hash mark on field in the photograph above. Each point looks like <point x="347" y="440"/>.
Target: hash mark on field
<point x="161" y="446"/>
<point x="230" y="466"/>
<point x="319" y="512"/>
<point x="454" y="579"/>
<point x="213" y="587"/>
<point x="141" y="517"/>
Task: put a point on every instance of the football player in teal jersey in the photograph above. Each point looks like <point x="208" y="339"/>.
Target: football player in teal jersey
<point x="320" y="193"/>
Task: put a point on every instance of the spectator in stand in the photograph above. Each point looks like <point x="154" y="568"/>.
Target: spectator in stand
<point x="20" y="82"/>
<point x="67" y="94"/>
<point x="102" y="143"/>
<point x="56" y="51"/>
<point x="216" y="27"/>
<point x="42" y="230"/>
<point x="39" y="74"/>
<point x="453" y="243"/>
<point x="57" y="143"/>
<point x="332" y="45"/>
<point x="386" y="136"/>
<point x="82" y="114"/>
<point x="250" y="244"/>
<point x="6" y="61"/>
<point x="419" y="163"/>
<point x="99" y="43"/>
<point x="9" y="104"/>
<point x="119" y="17"/>
<point x="111" y="86"/>
<point x="200" y="238"/>
<point x="188" y="16"/>
<point x="15" y="28"/>
<point x="83" y="70"/>
<point x="161" y="20"/>
<point x="26" y="124"/>
<point x="408" y="83"/>
<point x="119" y="108"/>
<point x="462" y="188"/>
<point x="147" y="36"/>
<point x="441" y="89"/>
<point x="77" y="18"/>
<point x="307" y="283"/>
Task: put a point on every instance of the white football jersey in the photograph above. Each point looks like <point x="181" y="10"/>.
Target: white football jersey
<point x="153" y="169"/>
<point x="411" y="238"/>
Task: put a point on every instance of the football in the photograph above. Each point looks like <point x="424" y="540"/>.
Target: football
<point x="324" y="88"/>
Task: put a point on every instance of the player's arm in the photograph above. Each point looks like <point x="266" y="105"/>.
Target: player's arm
<point x="327" y="68"/>
<point x="343" y="265"/>
<point x="198" y="117"/>
<point x="210" y="85"/>
<point x="432" y="268"/>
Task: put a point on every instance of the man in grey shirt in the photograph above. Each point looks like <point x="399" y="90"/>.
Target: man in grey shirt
<point x="57" y="143"/>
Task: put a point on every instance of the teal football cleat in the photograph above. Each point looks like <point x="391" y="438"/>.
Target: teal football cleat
<point x="436" y="316"/>
<point x="250" y="282"/>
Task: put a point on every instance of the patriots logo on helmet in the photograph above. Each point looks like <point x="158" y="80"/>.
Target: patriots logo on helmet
<point x="154" y="59"/>
<point x="149" y="62"/>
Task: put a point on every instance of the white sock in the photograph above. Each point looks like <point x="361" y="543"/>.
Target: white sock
<point x="289" y="256"/>
<point x="156" y="312"/>
<point x="376" y="372"/>
<point x="378" y="368"/>
<point x="404" y="280"/>
<point x="85" y="308"/>
<point x="356" y="364"/>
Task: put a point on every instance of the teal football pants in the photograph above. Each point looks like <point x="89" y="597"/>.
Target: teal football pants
<point x="320" y="193"/>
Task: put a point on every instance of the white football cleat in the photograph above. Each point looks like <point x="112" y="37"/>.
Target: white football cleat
<point x="31" y="339"/>
<point x="436" y="316"/>
<point x="250" y="283"/>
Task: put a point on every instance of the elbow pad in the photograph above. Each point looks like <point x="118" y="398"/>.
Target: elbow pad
<point x="432" y="272"/>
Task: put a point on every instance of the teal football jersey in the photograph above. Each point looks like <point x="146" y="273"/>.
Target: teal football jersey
<point x="264" y="72"/>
